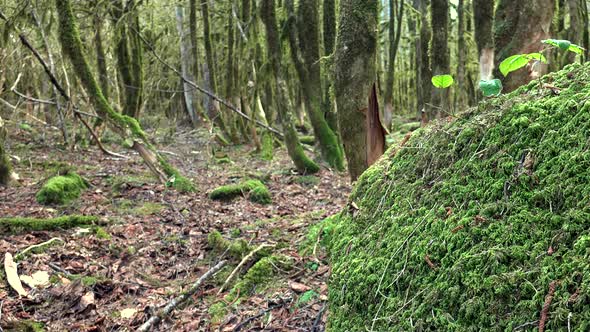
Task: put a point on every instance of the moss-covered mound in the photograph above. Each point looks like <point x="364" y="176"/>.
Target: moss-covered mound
<point x="61" y="189"/>
<point x="465" y="227"/>
<point x="21" y="225"/>
<point x="255" y="190"/>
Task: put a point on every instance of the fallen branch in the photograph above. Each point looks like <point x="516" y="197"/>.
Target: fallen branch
<point x="546" y="305"/>
<point x="242" y="263"/>
<point x="37" y="248"/>
<point x="154" y="320"/>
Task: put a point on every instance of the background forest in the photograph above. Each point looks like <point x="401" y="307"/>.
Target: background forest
<point x="174" y="165"/>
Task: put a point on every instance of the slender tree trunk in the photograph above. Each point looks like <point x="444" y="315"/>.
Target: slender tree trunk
<point x="213" y="107"/>
<point x="304" y="42"/>
<point x="519" y="28"/>
<point x="355" y="74"/>
<point x="439" y="55"/>
<point x="424" y="45"/>
<point x="394" y="37"/>
<point x="574" y="33"/>
<point x="461" y="56"/>
<point x="5" y="165"/>
<point x="329" y="20"/>
<point x="294" y="148"/>
<point x="585" y="29"/>
<point x="185" y="64"/>
<point x="101" y="58"/>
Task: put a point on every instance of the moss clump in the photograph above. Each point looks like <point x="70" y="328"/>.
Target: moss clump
<point x="236" y="249"/>
<point x="320" y="235"/>
<point x="61" y="189"/>
<point x="255" y="190"/>
<point x="24" y="326"/>
<point x="259" y="276"/>
<point x="22" y="225"/>
<point x="266" y="152"/>
<point x="148" y="208"/>
<point x="466" y="232"/>
<point x="101" y="233"/>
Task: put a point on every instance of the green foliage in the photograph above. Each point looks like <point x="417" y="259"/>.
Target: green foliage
<point x="564" y="45"/>
<point x="490" y="87"/>
<point x="61" y="189"/>
<point x="515" y="62"/>
<point x="267" y="146"/>
<point x="22" y="225"/>
<point x="442" y="81"/>
<point x="306" y="297"/>
<point x="467" y="232"/>
<point x="255" y="190"/>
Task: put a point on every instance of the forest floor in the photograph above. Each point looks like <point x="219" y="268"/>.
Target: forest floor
<point x="152" y="242"/>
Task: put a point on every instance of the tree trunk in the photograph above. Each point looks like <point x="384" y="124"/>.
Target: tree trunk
<point x="439" y="58"/>
<point x="329" y="20"/>
<point x="213" y="107"/>
<point x="394" y="37"/>
<point x="423" y="43"/>
<point x="574" y="33"/>
<point x="585" y="29"/>
<point x="304" y="44"/>
<point x="355" y="73"/>
<point x="519" y="28"/>
<point x="5" y="165"/>
<point x="461" y="56"/>
<point x="294" y="148"/>
<point x="185" y="64"/>
<point x="483" y="17"/>
<point x="101" y="58"/>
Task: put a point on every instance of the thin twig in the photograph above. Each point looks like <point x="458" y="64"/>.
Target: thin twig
<point x="244" y="261"/>
<point x="154" y="320"/>
<point x="546" y="305"/>
<point x="259" y="314"/>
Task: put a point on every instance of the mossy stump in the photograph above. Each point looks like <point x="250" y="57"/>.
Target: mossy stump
<point x="61" y="189"/>
<point x="255" y="190"/>
<point x="467" y="227"/>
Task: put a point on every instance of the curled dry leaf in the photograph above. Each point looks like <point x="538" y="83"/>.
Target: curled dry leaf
<point x="12" y="275"/>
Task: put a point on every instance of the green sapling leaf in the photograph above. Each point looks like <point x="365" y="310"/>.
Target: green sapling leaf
<point x="490" y="87"/>
<point x="442" y="81"/>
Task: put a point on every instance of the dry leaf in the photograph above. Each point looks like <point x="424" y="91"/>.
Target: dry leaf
<point x="298" y="287"/>
<point x="36" y="280"/>
<point x="12" y="275"/>
<point x="128" y="313"/>
<point x="86" y="302"/>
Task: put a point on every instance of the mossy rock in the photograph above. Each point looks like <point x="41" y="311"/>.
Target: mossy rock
<point x="22" y="225"/>
<point x="61" y="189"/>
<point x="466" y="228"/>
<point x="255" y="190"/>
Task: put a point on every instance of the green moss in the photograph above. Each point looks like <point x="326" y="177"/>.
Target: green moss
<point x="22" y="225"/>
<point x="319" y="234"/>
<point x="236" y="249"/>
<point x="24" y="326"/>
<point x="101" y="233"/>
<point x="455" y="235"/>
<point x="61" y="189"/>
<point x="267" y="146"/>
<point x="217" y="311"/>
<point x="148" y="208"/>
<point x="256" y="278"/>
<point x="255" y="190"/>
<point x="307" y="140"/>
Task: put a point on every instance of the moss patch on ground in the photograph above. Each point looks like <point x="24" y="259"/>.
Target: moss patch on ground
<point x="61" y="189"/>
<point x="255" y="190"/>
<point x="22" y="225"/>
<point x="467" y="225"/>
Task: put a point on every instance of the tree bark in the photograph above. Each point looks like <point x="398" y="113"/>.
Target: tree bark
<point x="461" y="57"/>
<point x="354" y="75"/>
<point x="305" y="53"/>
<point x="424" y="60"/>
<point x="394" y="37"/>
<point x="439" y="55"/>
<point x="294" y="148"/>
<point x="574" y="33"/>
<point x="185" y="64"/>
<point x="5" y="165"/>
<point x="329" y="20"/>
<point x="483" y="17"/>
<point x="519" y="28"/>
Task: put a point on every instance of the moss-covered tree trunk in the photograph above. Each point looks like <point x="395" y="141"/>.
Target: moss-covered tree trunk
<point x="294" y="148"/>
<point x="185" y="64"/>
<point x="519" y="28"/>
<point x="125" y="125"/>
<point x="439" y="54"/>
<point x="304" y="41"/>
<point x="129" y="54"/>
<point x="355" y="53"/>
<point x="101" y="58"/>
<point x="424" y="44"/>
<point x="483" y="17"/>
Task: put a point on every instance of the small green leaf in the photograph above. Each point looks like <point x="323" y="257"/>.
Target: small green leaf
<point x="576" y="49"/>
<point x="490" y="87"/>
<point x="442" y="81"/>
<point x="513" y="63"/>
<point x="536" y="56"/>
<point x="562" y="44"/>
